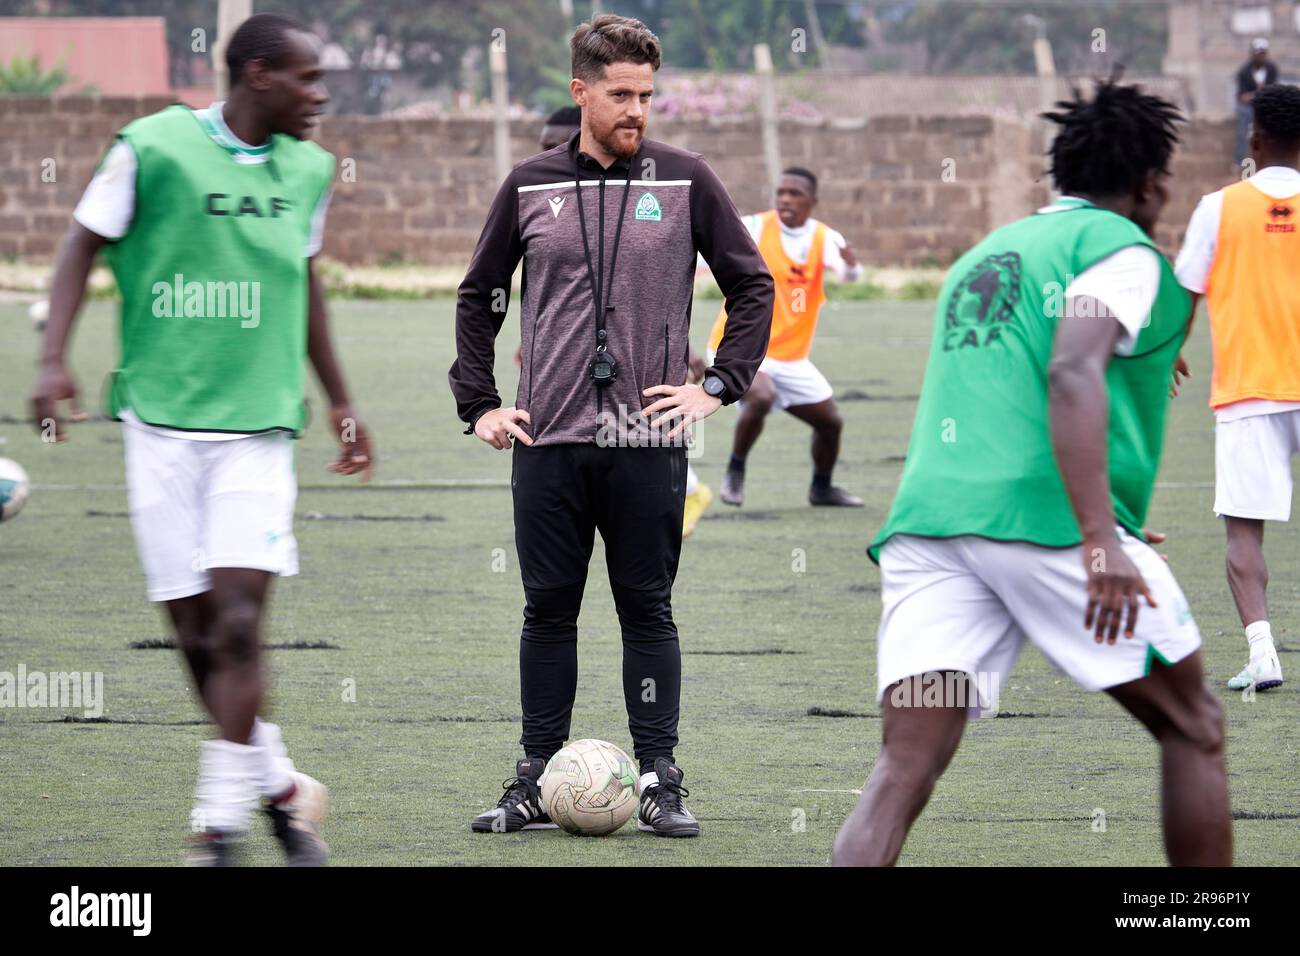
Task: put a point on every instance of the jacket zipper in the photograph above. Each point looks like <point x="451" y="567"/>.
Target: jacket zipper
<point x="600" y="282"/>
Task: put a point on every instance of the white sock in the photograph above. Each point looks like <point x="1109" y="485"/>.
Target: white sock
<point x="274" y="765"/>
<point x="1260" y="638"/>
<point x="649" y="779"/>
<point x="223" y="797"/>
<point x="692" y="482"/>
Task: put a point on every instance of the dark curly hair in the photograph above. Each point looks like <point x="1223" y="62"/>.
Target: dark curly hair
<point x="1277" y="113"/>
<point x="1107" y="145"/>
<point x="263" y="36"/>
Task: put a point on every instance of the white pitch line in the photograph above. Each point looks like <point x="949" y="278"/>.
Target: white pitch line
<point x="430" y="483"/>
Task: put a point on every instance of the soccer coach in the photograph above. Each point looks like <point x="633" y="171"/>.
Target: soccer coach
<point x="608" y="226"/>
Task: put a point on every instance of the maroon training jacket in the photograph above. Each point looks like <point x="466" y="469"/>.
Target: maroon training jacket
<point x="676" y="208"/>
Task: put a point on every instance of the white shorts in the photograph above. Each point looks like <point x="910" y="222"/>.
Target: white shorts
<point x="968" y="604"/>
<point x="1252" y="465"/>
<point x="797" y="383"/>
<point x="197" y="505"/>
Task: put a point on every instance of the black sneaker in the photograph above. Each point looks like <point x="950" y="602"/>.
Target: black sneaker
<point x="662" y="811"/>
<point x="297" y="821"/>
<point x="733" y="488"/>
<point x="520" y="807"/>
<point x="212" y="848"/>
<point x="833" y="497"/>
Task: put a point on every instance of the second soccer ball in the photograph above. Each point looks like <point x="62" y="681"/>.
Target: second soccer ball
<point x="13" y="488"/>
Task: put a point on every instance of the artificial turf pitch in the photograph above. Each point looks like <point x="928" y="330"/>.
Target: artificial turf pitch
<point x="407" y="706"/>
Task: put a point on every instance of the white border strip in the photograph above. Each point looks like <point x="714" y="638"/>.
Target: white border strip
<point x="568" y="184"/>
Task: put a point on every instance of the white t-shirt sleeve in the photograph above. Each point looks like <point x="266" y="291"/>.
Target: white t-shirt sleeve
<point x="1196" y="258"/>
<point x="108" y="204"/>
<point x="318" y="224"/>
<point x="834" y="262"/>
<point x="1127" y="283"/>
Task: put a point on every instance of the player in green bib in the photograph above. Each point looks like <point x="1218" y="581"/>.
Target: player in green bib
<point x="209" y="220"/>
<point x="1019" y="516"/>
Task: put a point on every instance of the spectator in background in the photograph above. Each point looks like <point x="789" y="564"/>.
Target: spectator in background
<point x="1258" y="72"/>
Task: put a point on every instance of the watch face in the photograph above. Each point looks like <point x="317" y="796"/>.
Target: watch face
<point x="713" y="386"/>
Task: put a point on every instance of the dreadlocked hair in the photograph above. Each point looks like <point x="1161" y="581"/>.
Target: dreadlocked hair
<point x="1107" y="145"/>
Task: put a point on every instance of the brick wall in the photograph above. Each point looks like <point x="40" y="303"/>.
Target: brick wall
<point x="905" y="190"/>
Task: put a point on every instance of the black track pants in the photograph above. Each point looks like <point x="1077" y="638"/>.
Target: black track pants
<point x="563" y="494"/>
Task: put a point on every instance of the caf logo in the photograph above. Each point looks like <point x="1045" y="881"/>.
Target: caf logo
<point x="982" y="301"/>
<point x="647" y="208"/>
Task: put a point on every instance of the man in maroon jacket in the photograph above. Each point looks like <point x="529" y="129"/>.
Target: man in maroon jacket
<point x="608" y="226"/>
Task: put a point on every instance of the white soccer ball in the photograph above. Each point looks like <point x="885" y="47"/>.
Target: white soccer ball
<point x="14" y="486"/>
<point x="591" y="788"/>
<point x="39" y="313"/>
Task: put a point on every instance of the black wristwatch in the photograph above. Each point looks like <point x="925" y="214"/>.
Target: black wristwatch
<point x="716" y="387"/>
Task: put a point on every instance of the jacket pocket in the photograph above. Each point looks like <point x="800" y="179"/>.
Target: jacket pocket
<point x="663" y="378"/>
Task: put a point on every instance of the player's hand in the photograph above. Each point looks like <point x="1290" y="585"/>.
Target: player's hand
<point x="55" y="384"/>
<point x="500" y="424"/>
<point x="848" y="255"/>
<point x="1181" y="373"/>
<point x="1114" y="586"/>
<point x="690" y="403"/>
<point x="356" y="449"/>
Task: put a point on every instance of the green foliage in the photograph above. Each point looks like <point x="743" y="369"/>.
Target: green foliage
<point x="864" y="291"/>
<point x="434" y="35"/>
<point x="26" y="75"/>
<point x="708" y="34"/>
<point x="919" y="290"/>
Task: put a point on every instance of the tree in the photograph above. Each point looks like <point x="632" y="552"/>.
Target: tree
<point x="992" y="37"/>
<point x="720" y="34"/>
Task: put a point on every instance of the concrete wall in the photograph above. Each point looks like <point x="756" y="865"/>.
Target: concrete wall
<point x="905" y="190"/>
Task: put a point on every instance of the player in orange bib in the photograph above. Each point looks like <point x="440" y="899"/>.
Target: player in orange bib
<point x="1241" y="252"/>
<point x="798" y="251"/>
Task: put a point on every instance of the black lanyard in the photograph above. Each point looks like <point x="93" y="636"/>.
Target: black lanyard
<point x="597" y="278"/>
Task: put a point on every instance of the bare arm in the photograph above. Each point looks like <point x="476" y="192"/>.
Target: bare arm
<point x="54" y="382"/>
<point x="1080" y="411"/>
<point x="1182" y="371"/>
<point x="356" y="449"/>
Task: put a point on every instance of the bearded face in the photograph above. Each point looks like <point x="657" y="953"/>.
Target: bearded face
<point x="616" y="108"/>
